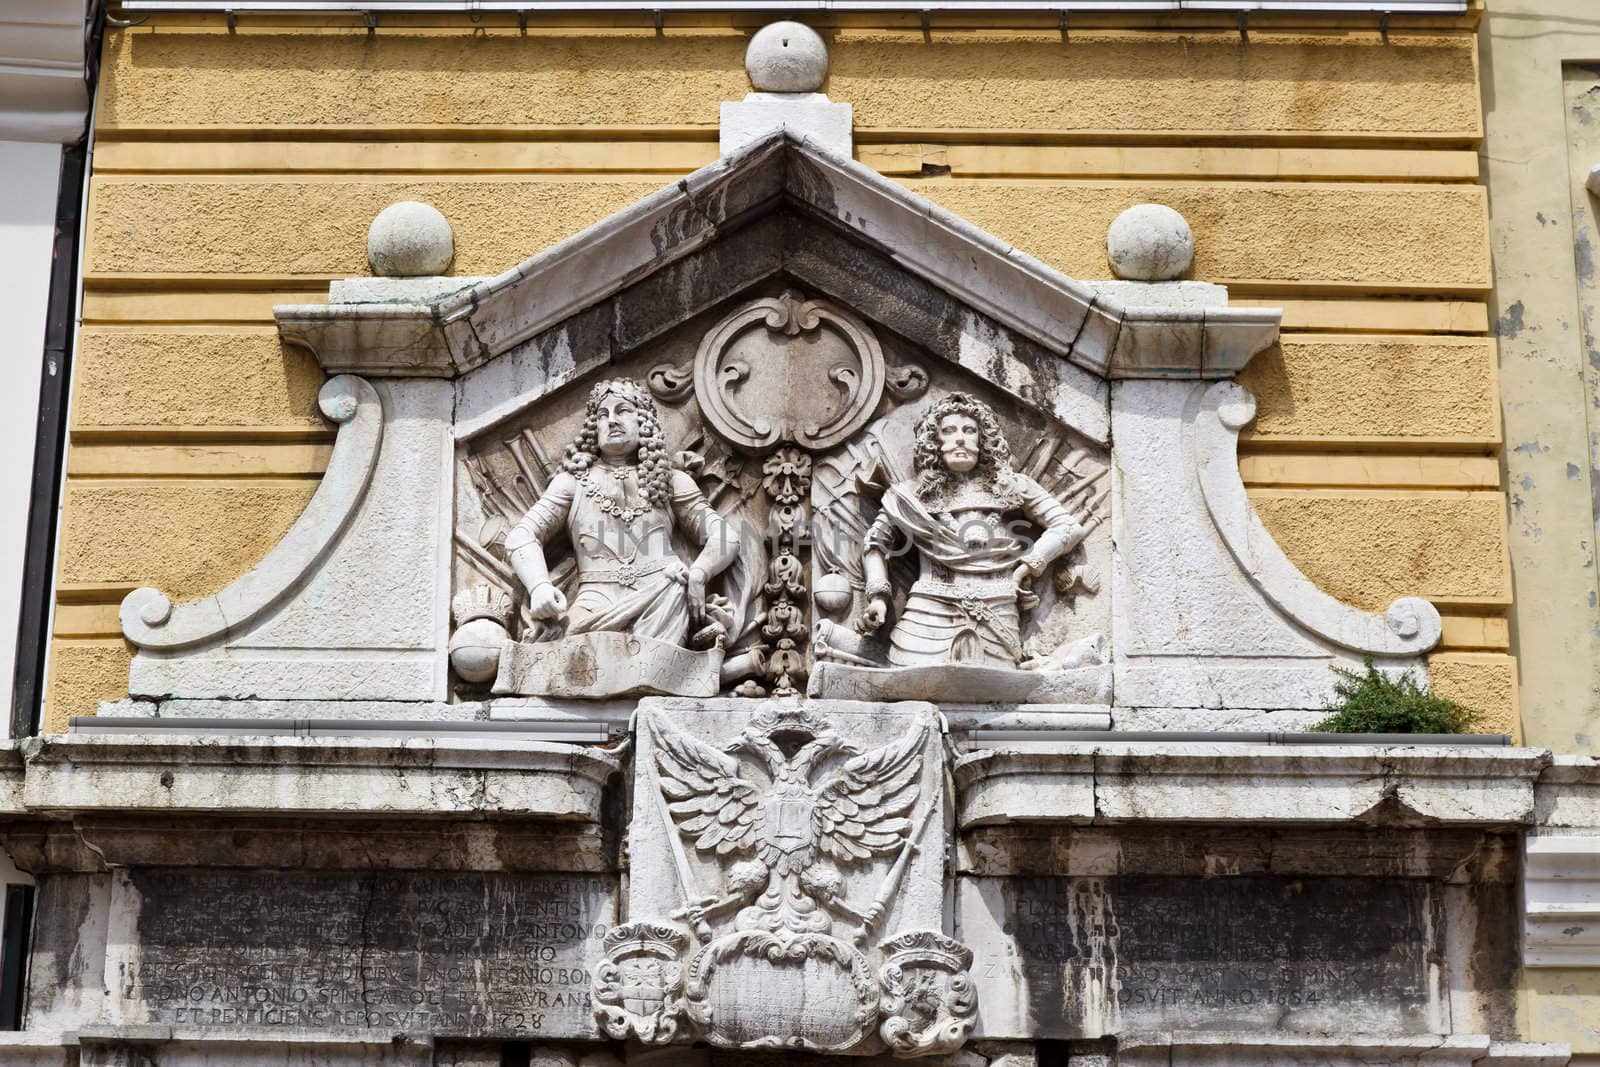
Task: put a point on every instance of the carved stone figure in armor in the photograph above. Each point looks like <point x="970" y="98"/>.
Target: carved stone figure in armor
<point x="976" y="567"/>
<point x="623" y="505"/>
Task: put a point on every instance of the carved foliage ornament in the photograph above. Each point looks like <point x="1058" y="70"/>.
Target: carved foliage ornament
<point x="788" y="370"/>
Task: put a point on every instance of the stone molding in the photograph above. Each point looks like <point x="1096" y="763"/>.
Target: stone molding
<point x="1214" y="1049"/>
<point x="1561" y="863"/>
<point x="1175" y="1049"/>
<point x="1569" y="794"/>
<point x="131" y="1045"/>
<point x="151" y="621"/>
<point x="1410" y="627"/>
<point x="1052" y="782"/>
<point x="295" y="777"/>
<point x="1064" y="782"/>
<point x="453" y="335"/>
<point x="1561" y="901"/>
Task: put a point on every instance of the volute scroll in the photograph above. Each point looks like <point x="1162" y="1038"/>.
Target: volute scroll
<point x="150" y="620"/>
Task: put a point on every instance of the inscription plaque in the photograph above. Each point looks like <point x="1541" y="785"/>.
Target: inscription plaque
<point x="459" y="954"/>
<point x="1091" y="956"/>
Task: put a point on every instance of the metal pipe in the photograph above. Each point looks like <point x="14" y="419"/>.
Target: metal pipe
<point x="553" y="730"/>
<point x="134" y="724"/>
<point x="1239" y="737"/>
<point x="524" y="7"/>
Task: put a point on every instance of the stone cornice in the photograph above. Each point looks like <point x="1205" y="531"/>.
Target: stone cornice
<point x="1063" y="782"/>
<point x="465" y="329"/>
<point x="1246" y="1049"/>
<point x="1057" y="782"/>
<point x="299" y="777"/>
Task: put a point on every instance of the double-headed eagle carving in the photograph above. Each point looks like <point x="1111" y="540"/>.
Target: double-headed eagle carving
<point x="789" y="835"/>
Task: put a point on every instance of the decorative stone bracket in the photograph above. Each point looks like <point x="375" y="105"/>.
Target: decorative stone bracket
<point x="1410" y="627"/>
<point x="149" y="618"/>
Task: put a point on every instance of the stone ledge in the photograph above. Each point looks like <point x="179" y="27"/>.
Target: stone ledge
<point x="298" y="776"/>
<point x="13" y="772"/>
<point x="1225" y="1049"/>
<point x="1568" y="796"/>
<point x="1219" y="782"/>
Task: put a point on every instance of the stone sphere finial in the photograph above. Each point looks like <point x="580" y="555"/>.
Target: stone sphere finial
<point x="410" y="240"/>
<point x="1149" y="243"/>
<point x="786" y="57"/>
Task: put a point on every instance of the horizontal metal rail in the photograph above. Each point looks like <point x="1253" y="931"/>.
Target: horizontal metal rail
<point x="1063" y="7"/>
<point x="579" y="732"/>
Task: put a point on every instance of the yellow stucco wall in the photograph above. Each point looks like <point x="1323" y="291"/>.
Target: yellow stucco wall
<point x="1541" y="57"/>
<point x="1325" y="169"/>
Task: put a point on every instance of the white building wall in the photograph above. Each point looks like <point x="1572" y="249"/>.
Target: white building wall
<point x="30" y="174"/>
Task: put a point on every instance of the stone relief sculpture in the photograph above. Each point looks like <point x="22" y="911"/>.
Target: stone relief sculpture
<point x="978" y="535"/>
<point x="791" y="815"/>
<point x="787" y="512"/>
<point x="639" y="616"/>
<point x="976" y="572"/>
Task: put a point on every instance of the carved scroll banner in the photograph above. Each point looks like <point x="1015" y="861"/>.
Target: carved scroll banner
<point x="787" y="885"/>
<point x="606" y="664"/>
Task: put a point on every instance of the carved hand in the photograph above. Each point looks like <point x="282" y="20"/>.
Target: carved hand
<point x="1022" y="577"/>
<point x="546" y="601"/>
<point x="697" y="595"/>
<point x="873" y="614"/>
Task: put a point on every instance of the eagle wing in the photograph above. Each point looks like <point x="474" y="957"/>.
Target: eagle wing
<point x="863" y="811"/>
<point x="712" y="805"/>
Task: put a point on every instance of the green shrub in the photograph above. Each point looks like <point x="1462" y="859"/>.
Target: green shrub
<point x="1370" y="702"/>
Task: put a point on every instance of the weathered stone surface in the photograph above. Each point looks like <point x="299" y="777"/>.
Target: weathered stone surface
<point x="284" y="775"/>
<point x="1082" y="957"/>
<point x="462" y="954"/>
<point x="1226" y="622"/>
<point x="66" y="973"/>
<point x="409" y="239"/>
<point x="786" y="882"/>
<point x="38" y="1048"/>
<point x="804" y="114"/>
<point x="1561" y="896"/>
<point x="398" y="842"/>
<point x="786" y="57"/>
<point x="291" y="710"/>
<point x="1149" y="243"/>
<point x="146" y="1045"/>
<point x="1568" y="796"/>
<point x="352" y="603"/>
<point x="396" y="290"/>
<point x="1240" y="1049"/>
<point x="1209" y="782"/>
<point x="606" y="665"/>
<point x="842" y="681"/>
<point x="1487" y="857"/>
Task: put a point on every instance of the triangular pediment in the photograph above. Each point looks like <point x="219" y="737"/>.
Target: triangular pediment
<point x="779" y="206"/>
<point x="784" y="326"/>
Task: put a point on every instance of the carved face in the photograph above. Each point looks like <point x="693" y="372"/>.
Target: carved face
<point x="959" y="442"/>
<point x="617" y="427"/>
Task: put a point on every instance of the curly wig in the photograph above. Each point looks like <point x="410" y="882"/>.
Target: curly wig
<point x="934" y="479"/>
<point x="655" y="465"/>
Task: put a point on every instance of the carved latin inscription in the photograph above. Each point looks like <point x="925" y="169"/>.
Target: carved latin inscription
<point x="467" y="953"/>
<point x="1155" y="952"/>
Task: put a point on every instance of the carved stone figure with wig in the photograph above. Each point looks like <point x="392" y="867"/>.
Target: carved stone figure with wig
<point x="959" y="512"/>
<point x="626" y="509"/>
